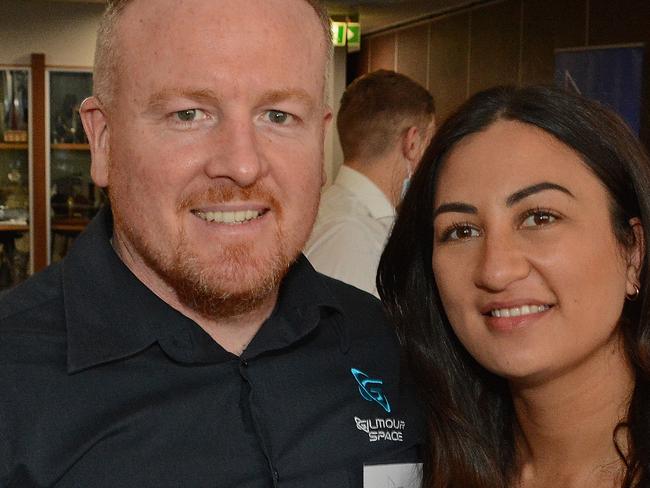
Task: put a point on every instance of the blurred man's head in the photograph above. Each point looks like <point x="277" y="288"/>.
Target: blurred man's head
<point x="384" y="116"/>
<point x="207" y="128"/>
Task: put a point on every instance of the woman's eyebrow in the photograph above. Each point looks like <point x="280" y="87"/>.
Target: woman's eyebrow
<point x="517" y="196"/>
<point x="536" y="188"/>
<point x="455" y="207"/>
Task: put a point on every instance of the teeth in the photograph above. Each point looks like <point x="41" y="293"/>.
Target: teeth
<point x="237" y="217"/>
<point x="518" y="311"/>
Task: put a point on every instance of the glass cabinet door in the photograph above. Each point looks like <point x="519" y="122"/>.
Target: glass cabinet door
<point x="14" y="176"/>
<point x="74" y="200"/>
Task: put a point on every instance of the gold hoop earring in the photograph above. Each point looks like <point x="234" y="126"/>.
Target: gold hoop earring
<point x="634" y="296"/>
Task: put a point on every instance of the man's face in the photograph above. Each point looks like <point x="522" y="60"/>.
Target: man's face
<point x="215" y="146"/>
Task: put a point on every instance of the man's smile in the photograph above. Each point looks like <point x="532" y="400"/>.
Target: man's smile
<point x="229" y="217"/>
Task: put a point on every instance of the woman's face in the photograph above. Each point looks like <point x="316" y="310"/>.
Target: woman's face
<point x="530" y="273"/>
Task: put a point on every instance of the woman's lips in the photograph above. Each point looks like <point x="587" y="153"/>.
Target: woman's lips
<point x="510" y="317"/>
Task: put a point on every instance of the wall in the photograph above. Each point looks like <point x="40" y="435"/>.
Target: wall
<point x="335" y="88"/>
<point x="64" y="32"/>
<point x="507" y="41"/>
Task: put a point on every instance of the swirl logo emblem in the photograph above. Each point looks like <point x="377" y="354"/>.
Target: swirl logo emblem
<point x="370" y="388"/>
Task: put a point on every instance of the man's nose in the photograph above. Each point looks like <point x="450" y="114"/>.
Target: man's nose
<point x="502" y="262"/>
<point x="236" y="154"/>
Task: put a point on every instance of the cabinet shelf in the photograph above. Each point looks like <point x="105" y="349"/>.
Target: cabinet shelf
<point x="9" y="227"/>
<point x="13" y="146"/>
<point x="70" y="147"/>
<point x="69" y="225"/>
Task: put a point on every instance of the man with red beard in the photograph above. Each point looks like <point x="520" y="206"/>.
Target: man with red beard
<point x="185" y="341"/>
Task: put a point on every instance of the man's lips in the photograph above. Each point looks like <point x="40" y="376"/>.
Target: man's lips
<point x="230" y="216"/>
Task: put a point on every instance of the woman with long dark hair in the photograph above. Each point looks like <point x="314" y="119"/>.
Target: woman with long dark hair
<point x="517" y="278"/>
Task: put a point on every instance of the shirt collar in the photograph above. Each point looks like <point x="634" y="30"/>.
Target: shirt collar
<point x="365" y="190"/>
<point x="110" y="314"/>
<point x="303" y="302"/>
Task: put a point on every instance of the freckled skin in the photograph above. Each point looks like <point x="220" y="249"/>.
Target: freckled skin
<point x="238" y="52"/>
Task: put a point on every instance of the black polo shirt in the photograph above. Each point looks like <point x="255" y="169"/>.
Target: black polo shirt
<point x="104" y="385"/>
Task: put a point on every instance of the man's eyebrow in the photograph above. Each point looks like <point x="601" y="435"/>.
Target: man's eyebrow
<point x="536" y="188"/>
<point x="277" y="96"/>
<point x="455" y="207"/>
<point x="158" y="100"/>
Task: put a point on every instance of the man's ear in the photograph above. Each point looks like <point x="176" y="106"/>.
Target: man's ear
<point x="327" y="124"/>
<point x="95" y="122"/>
<point x="635" y="255"/>
<point x="411" y="145"/>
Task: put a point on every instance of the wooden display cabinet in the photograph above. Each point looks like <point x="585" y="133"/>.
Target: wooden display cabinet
<point x="46" y="194"/>
<point x="15" y="245"/>
<point x="73" y="199"/>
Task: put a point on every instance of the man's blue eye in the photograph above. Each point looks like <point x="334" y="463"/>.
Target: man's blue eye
<point x="278" y="117"/>
<point x="186" y="115"/>
<point x="190" y="115"/>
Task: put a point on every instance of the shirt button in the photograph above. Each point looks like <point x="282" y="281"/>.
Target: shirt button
<point x="244" y="363"/>
<point x="276" y="475"/>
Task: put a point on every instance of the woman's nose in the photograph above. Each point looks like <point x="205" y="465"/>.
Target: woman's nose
<point x="501" y="262"/>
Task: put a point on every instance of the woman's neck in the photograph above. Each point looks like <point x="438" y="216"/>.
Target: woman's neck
<point x="566" y="424"/>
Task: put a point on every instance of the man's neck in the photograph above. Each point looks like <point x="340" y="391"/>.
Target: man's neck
<point x="232" y="333"/>
<point x="386" y="173"/>
<point x="235" y="333"/>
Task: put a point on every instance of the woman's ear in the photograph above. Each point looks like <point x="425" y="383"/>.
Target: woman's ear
<point x="635" y="256"/>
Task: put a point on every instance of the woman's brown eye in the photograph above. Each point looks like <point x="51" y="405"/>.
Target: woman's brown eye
<point x="537" y="219"/>
<point x="462" y="232"/>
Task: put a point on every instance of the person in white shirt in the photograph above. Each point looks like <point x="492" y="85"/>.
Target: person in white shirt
<point x="385" y="123"/>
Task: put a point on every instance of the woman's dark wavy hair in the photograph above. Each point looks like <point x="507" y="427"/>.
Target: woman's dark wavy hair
<point x="469" y="410"/>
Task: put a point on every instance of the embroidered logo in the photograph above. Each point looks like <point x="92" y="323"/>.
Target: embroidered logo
<point x="370" y="388"/>
<point x="382" y="429"/>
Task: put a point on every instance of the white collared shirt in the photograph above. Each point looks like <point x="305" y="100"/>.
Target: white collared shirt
<point x="353" y="224"/>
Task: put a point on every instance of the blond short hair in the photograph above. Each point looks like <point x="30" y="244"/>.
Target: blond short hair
<point x="107" y="53"/>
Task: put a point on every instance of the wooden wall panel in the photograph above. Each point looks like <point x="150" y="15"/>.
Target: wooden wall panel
<point x="412" y="51"/>
<point x="619" y="21"/>
<point x="622" y="22"/>
<point x="494" y="47"/>
<point x="40" y="218"/>
<point x="546" y="27"/>
<point x="364" y="59"/>
<point x="448" y="62"/>
<point x="512" y="41"/>
<point x="382" y="52"/>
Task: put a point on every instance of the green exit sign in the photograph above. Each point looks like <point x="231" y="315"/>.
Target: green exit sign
<point x="354" y="36"/>
<point x="339" y="33"/>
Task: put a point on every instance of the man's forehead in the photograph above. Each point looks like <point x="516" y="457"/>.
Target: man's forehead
<point x="242" y="14"/>
<point x="225" y="28"/>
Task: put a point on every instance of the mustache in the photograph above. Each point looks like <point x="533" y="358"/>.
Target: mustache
<point x="223" y="194"/>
